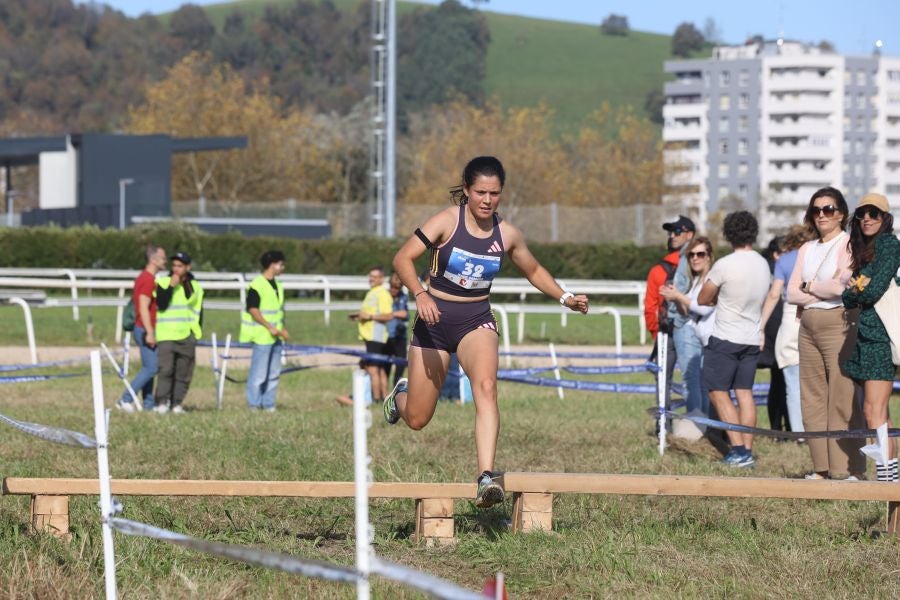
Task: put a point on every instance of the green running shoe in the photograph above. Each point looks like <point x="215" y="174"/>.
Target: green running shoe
<point x="391" y="414"/>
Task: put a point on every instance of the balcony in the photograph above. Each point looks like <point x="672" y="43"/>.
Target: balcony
<point x="790" y="152"/>
<point x="804" y="174"/>
<point x="787" y="198"/>
<point x="801" y="82"/>
<point x="683" y="111"/>
<point x="802" y="128"/>
<point x="682" y="133"/>
<point x="816" y="105"/>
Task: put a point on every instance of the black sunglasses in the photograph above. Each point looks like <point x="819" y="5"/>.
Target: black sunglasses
<point x="828" y="210"/>
<point x="872" y="212"/>
<point x="701" y="254"/>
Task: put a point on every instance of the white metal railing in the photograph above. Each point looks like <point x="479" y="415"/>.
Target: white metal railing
<point x="121" y="281"/>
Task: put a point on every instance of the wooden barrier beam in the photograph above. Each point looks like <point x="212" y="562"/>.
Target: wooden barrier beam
<point x="692" y="485"/>
<point x="287" y="489"/>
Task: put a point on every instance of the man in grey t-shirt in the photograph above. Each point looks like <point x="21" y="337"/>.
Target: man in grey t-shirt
<point x="737" y="285"/>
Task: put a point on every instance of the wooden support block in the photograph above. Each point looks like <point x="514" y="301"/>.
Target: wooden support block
<point x="893" y="518"/>
<point x="434" y="521"/>
<point x="532" y="511"/>
<point x="50" y="514"/>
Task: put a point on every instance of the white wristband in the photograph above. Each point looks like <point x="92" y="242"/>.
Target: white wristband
<point x="565" y="296"/>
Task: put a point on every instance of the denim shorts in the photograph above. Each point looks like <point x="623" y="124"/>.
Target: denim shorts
<point x="457" y="320"/>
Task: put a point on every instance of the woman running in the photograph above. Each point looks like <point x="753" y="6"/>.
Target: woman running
<point x="467" y="245"/>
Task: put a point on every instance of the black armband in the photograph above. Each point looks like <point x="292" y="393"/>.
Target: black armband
<point x="424" y="239"/>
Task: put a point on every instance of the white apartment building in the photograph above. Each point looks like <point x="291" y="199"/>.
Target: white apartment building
<point x="763" y="125"/>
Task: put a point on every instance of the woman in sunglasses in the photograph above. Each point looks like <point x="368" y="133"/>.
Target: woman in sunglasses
<point x="876" y="258"/>
<point x="827" y="335"/>
<point x="700" y="318"/>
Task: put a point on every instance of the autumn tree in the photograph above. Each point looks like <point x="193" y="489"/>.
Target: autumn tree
<point x="617" y="160"/>
<point x="443" y="139"/>
<point x="288" y="152"/>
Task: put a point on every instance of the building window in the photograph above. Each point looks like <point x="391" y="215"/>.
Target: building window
<point x="744" y="101"/>
<point x="723" y="148"/>
<point x="723" y="124"/>
<point x="742" y="169"/>
<point x="724" y="102"/>
<point x="744" y="78"/>
<point x="860" y="100"/>
<point x="723" y="171"/>
<point x="724" y="78"/>
<point x="723" y="192"/>
<point x="743" y="123"/>
<point x="861" y="77"/>
<point x="848" y="77"/>
<point x="742" y="147"/>
<point x="742" y="190"/>
<point x="893" y="76"/>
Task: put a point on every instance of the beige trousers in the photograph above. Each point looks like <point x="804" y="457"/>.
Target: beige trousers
<point x="827" y="396"/>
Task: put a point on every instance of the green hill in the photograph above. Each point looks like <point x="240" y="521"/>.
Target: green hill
<point x="571" y="67"/>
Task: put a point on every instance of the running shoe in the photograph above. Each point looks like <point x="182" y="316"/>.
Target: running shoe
<point x="489" y="491"/>
<point x="732" y="458"/>
<point x="745" y="460"/>
<point x="391" y="414"/>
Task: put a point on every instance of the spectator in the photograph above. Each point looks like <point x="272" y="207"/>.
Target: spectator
<point x="144" y="300"/>
<point x="776" y="400"/>
<point x="876" y="259"/>
<point x="827" y="335"/>
<point x="372" y="321"/>
<point x="262" y="324"/>
<point x="656" y="310"/>
<point x="787" y="355"/>
<point x="699" y="319"/>
<point x="179" y="321"/>
<point x="396" y="344"/>
<point x="737" y="286"/>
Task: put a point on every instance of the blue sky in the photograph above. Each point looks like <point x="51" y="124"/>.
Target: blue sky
<point x="852" y="26"/>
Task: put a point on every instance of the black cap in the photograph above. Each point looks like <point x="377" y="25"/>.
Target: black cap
<point x="182" y="257"/>
<point x="680" y="225"/>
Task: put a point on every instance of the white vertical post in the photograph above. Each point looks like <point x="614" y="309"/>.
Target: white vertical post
<point x="100" y="434"/>
<point x="662" y="357"/>
<point x="556" y="373"/>
<point x="73" y="290"/>
<point x="29" y="327"/>
<point x="361" y="421"/>
<point x="214" y="359"/>
<point x="462" y="384"/>
<point x="224" y="371"/>
<point x="120" y="312"/>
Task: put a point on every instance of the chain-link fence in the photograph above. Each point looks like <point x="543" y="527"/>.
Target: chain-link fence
<point x="552" y="222"/>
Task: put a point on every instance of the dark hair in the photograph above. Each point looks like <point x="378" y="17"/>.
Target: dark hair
<point x="272" y="256"/>
<point x="149" y="251"/>
<point x="862" y="249"/>
<point x="826" y="192"/>
<point x="485" y="166"/>
<point x="740" y="228"/>
<point x="376" y="268"/>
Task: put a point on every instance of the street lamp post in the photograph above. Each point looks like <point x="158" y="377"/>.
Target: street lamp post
<point x="122" y="184"/>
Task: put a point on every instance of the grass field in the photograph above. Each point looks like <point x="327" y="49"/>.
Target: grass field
<point x="601" y="546"/>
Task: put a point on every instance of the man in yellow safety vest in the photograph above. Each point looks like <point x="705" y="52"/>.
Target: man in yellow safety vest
<point x="179" y="317"/>
<point x="262" y="324"/>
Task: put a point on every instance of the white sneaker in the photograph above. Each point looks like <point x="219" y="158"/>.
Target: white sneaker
<point x="178" y="410"/>
<point x="126" y="406"/>
<point x="269" y="409"/>
<point x="161" y="408"/>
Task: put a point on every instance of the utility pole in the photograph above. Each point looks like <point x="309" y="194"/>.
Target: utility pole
<point x="382" y="162"/>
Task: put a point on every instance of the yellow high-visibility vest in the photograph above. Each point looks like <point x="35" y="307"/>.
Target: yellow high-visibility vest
<point x="271" y="306"/>
<point x="182" y="317"/>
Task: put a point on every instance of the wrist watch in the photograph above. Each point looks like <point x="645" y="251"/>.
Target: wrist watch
<point x="565" y="296"/>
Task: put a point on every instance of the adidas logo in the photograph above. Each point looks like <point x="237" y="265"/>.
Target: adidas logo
<point x="495" y="247"/>
<point x="488" y="325"/>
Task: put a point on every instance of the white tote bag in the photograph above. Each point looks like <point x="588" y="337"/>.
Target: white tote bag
<point x="888" y="309"/>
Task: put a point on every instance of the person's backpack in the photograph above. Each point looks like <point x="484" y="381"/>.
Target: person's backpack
<point x="129" y="317"/>
<point x="665" y="323"/>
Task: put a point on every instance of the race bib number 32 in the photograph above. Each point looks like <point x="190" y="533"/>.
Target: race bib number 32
<point x="471" y="271"/>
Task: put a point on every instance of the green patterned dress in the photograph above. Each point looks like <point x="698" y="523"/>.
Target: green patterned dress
<point x="871" y="359"/>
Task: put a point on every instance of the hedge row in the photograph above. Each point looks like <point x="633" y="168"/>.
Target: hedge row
<point x="91" y="247"/>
